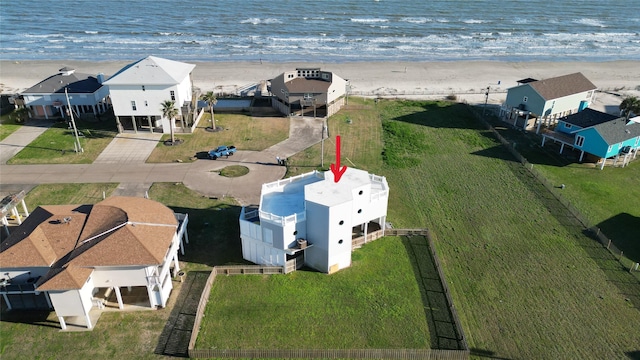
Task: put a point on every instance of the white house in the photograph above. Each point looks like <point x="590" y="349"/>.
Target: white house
<point x="86" y="94"/>
<point x="314" y="218"/>
<point x="138" y="90"/>
<point x="308" y="91"/>
<point x="545" y="101"/>
<point x="63" y="255"/>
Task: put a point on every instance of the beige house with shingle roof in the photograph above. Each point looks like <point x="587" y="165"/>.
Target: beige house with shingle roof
<point x="62" y="255"/>
<point x="543" y="102"/>
<point x="308" y="91"/>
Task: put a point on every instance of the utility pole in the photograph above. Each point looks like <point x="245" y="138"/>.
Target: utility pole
<point x="324" y="128"/>
<point x="76" y="144"/>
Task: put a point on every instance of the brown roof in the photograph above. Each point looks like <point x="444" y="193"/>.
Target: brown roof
<point x="562" y="86"/>
<point x="67" y="238"/>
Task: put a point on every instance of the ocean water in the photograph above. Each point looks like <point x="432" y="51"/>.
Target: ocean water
<point x="321" y="30"/>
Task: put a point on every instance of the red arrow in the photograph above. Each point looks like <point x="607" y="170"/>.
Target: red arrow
<point x="335" y="168"/>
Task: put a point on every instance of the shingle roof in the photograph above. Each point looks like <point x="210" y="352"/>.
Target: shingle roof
<point x="152" y="71"/>
<point x="303" y="85"/>
<point x="588" y="117"/>
<point x="618" y="130"/>
<point x="76" y="83"/>
<point x="71" y="239"/>
<point x="561" y="86"/>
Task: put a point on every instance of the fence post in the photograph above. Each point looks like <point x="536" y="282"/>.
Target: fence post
<point x="621" y="253"/>
<point x="609" y="244"/>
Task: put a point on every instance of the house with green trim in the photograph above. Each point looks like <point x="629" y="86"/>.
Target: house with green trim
<point x="534" y="103"/>
<point x="600" y="134"/>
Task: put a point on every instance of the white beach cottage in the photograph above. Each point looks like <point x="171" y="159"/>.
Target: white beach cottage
<point x="63" y="256"/>
<point x="312" y="218"/>
<point x="138" y="90"/>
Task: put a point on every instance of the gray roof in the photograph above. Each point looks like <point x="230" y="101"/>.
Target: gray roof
<point x="75" y="83"/>
<point x="561" y="86"/>
<point x="587" y="117"/>
<point x="618" y="130"/>
<point x="152" y="71"/>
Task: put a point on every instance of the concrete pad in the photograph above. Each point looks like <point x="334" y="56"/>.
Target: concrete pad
<point x="21" y="138"/>
<point x="128" y="148"/>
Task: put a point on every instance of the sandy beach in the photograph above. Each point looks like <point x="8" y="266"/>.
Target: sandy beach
<point x="467" y="79"/>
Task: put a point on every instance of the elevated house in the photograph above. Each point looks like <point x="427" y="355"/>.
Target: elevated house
<point x="534" y="103"/>
<point x="308" y="91"/>
<point x="138" y="90"/>
<point x="311" y="219"/>
<point x="61" y="257"/>
<point x="85" y="93"/>
<point x="599" y="134"/>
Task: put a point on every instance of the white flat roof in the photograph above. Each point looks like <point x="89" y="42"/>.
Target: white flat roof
<point x="287" y="200"/>
<point x="329" y="193"/>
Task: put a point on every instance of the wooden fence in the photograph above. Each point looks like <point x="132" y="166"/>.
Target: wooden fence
<point x="413" y="354"/>
<point x="435" y="354"/>
<point x="584" y="221"/>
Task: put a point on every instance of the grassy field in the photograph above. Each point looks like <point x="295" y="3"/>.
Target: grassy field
<point x="604" y="197"/>
<point x="373" y="304"/>
<point x="243" y="131"/>
<point x="526" y="281"/>
<point x="56" y="145"/>
<point x="7" y="125"/>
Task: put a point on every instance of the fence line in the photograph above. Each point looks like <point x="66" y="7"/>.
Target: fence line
<point x="417" y="354"/>
<point x="452" y="309"/>
<point x="584" y="221"/>
<point x="435" y="354"/>
<point x="393" y="92"/>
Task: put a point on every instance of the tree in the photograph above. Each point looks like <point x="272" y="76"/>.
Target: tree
<point x="22" y="114"/>
<point x="211" y="99"/>
<point x="630" y="105"/>
<point x="170" y="112"/>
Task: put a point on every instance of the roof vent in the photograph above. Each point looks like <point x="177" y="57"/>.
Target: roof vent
<point x="66" y="71"/>
<point x="66" y="220"/>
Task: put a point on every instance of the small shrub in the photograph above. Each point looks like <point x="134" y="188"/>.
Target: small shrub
<point x="452" y="97"/>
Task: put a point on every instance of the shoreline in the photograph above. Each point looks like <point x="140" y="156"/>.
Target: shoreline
<point x="403" y="79"/>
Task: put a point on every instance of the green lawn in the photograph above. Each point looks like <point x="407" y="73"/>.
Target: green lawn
<point x="373" y="304"/>
<point x="243" y="131"/>
<point x="7" y="125"/>
<point x="526" y="281"/>
<point x="56" y="145"/>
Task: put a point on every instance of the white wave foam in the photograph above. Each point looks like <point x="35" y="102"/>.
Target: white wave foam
<point x="258" y="21"/>
<point x="473" y="21"/>
<point x="368" y="20"/>
<point x="43" y="35"/>
<point x="90" y="32"/>
<point x="416" y="20"/>
<point x="590" y="22"/>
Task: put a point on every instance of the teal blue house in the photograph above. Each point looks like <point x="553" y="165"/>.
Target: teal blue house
<point x="597" y="133"/>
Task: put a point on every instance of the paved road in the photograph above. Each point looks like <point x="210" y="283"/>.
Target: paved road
<point x="135" y="177"/>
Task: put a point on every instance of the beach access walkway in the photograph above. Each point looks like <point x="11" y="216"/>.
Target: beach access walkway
<point x="123" y="162"/>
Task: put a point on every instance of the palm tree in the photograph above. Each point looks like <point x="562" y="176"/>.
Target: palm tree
<point x="170" y="112"/>
<point x="630" y="105"/>
<point x="211" y="99"/>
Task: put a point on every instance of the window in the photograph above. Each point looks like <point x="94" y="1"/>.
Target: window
<point x="133" y="106"/>
<point x="579" y="140"/>
<point x="142" y="87"/>
<point x="295" y="232"/>
<point x="360" y="192"/>
<point x="340" y="241"/>
<point x="341" y="222"/>
<point x="588" y="94"/>
<point x="173" y="95"/>
<point x="146" y="103"/>
<point x="359" y="211"/>
<point x="567" y="125"/>
<point x="524" y="99"/>
<point x="610" y="148"/>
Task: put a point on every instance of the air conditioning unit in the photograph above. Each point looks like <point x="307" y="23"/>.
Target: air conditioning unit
<point x="302" y="243"/>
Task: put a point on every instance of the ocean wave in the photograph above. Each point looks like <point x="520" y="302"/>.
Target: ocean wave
<point x="258" y="21"/>
<point x="90" y="32"/>
<point x="590" y="22"/>
<point x="43" y="36"/>
<point x="369" y="20"/>
<point x="474" y="21"/>
<point x="416" y="20"/>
